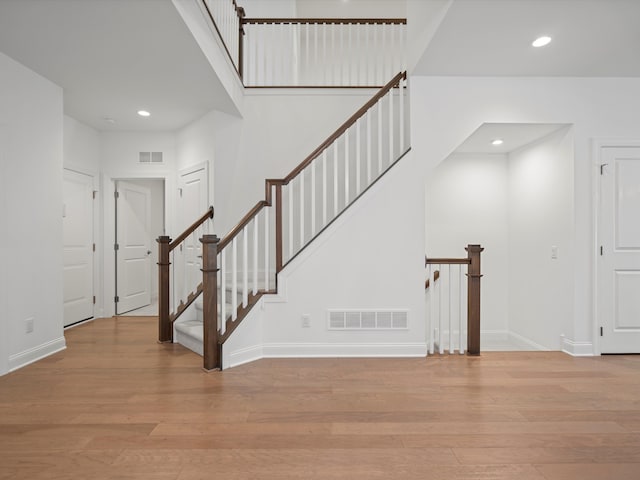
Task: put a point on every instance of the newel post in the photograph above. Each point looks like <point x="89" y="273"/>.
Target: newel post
<point x="212" y="348"/>
<point x="165" y="329"/>
<point x="473" y="299"/>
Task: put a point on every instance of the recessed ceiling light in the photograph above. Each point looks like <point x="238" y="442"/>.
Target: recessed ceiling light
<point x="496" y="142"/>
<point x="541" y="41"/>
<point x="143" y="113"/>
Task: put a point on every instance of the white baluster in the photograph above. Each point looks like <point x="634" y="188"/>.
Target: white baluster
<point x="313" y="196"/>
<point x="301" y="209"/>
<point x="223" y="291"/>
<point x="234" y="278"/>
<point x="438" y="285"/>
<point x="358" y="173"/>
<point x="266" y="248"/>
<point x="374" y="54"/>
<point x="324" y="187"/>
<point x="335" y="178"/>
<point x="379" y="111"/>
<point x="463" y="312"/>
<point x="245" y="266"/>
<point x="432" y="305"/>
<point x="255" y="255"/>
<point x="360" y="29"/>
<point x="429" y="328"/>
<point x="350" y="57"/>
<point x="460" y="300"/>
<point x="340" y="54"/>
<point x="325" y="33"/>
<point x="307" y="56"/>
<point x="450" y="309"/>
<point x="346" y="168"/>
<point x="369" y="146"/>
<point x="290" y="191"/>
<point x="401" y="100"/>
<point x="381" y="58"/>
<point x="391" y="155"/>
<point x="284" y="54"/>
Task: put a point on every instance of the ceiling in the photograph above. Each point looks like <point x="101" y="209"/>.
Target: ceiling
<point x="113" y="58"/>
<point x="591" y="38"/>
<point x="513" y="135"/>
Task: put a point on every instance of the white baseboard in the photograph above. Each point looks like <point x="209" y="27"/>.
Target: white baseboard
<point x="242" y="356"/>
<point x="576" y="349"/>
<point x="525" y="343"/>
<point x="34" y="354"/>
<point x="321" y="350"/>
<point x="504" y="340"/>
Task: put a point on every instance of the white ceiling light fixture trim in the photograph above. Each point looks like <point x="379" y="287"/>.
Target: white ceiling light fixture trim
<point x="541" y="41"/>
<point x="144" y="113"/>
<point x="497" y="141"/>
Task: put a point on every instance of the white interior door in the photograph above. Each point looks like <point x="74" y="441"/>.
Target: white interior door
<point x="193" y="203"/>
<point x="133" y="252"/>
<point x="619" y="260"/>
<point x="77" y="222"/>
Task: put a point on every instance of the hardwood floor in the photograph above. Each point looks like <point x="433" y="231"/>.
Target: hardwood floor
<point x="117" y="405"/>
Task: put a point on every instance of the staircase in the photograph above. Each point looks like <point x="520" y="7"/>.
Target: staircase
<point x="243" y="266"/>
<point x="239" y="269"/>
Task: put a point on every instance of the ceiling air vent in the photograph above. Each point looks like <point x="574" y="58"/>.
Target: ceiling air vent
<point x="368" y="319"/>
<point x="150" y="157"/>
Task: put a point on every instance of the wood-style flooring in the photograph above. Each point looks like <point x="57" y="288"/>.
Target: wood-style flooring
<point x="117" y="405"/>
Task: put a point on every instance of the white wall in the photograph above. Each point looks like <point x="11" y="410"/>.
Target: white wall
<point x="31" y="125"/>
<point x="81" y="147"/>
<point x="446" y="110"/>
<point x="351" y="9"/>
<point x="270" y="9"/>
<point x="467" y="203"/>
<point x="541" y="216"/>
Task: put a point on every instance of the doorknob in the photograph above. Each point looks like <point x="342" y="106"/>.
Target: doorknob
<point x="199" y="256"/>
<point x="148" y="252"/>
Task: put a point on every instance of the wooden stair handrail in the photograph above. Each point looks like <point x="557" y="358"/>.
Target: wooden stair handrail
<point x="180" y="238"/>
<point x="165" y="246"/>
<point x="343" y="128"/>
<point x="271" y="182"/>
<point x="447" y="261"/>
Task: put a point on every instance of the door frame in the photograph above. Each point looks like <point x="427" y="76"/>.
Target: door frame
<point x="596" y="153"/>
<point x="109" y="227"/>
<point x="98" y="307"/>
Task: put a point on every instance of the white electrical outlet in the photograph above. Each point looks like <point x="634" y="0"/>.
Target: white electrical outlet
<point x="306" y="320"/>
<point x="554" y="252"/>
<point x="28" y="325"/>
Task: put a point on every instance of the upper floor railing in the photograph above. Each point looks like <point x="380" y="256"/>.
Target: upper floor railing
<point x="309" y="52"/>
<point x="327" y="52"/>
